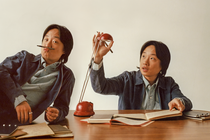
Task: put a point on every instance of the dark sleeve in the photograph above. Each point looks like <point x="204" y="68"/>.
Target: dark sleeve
<point x="63" y="100"/>
<point x="111" y="86"/>
<point x="8" y="69"/>
<point x="176" y="93"/>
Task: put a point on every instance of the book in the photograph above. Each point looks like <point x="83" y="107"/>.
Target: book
<point x="41" y="130"/>
<point x="129" y="121"/>
<point x="7" y="129"/>
<point x="61" y="131"/>
<point x="35" y="130"/>
<point x="140" y="119"/>
<point x="197" y="115"/>
<point x="152" y="115"/>
<point x="14" y="134"/>
<point x="100" y="118"/>
<point x="57" y="129"/>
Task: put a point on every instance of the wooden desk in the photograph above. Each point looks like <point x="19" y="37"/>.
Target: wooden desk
<point x="181" y="129"/>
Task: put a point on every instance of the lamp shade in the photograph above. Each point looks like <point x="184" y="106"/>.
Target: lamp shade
<point x="105" y="37"/>
<point x="84" y="109"/>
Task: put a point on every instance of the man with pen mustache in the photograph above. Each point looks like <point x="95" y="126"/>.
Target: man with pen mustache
<point x="30" y="83"/>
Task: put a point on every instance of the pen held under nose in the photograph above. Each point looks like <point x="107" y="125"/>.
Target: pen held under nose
<point x="45" y="47"/>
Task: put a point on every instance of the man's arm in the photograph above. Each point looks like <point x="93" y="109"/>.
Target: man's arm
<point x="179" y="101"/>
<point x="61" y="104"/>
<point x="8" y="68"/>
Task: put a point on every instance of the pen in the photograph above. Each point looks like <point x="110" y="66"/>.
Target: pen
<point x="47" y="110"/>
<point x="45" y="47"/>
<point x="106" y="44"/>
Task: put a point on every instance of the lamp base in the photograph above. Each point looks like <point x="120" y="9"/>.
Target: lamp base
<point x="84" y="109"/>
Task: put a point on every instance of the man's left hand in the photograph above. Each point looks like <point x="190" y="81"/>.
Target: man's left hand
<point x="52" y="113"/>
<point x="177" y="104"/>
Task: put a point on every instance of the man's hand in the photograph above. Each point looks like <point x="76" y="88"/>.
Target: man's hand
<point x="52" y="113"/>
<point x="24" y="113"/>
<point x="177" y="104"/>
<point x="102" y="50"/>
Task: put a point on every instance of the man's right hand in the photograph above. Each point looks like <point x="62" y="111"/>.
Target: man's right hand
<point x="24" y="112"/>
<point x="102" y="50"/>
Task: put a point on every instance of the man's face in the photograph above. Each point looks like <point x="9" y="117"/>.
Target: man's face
<point x="52" y="40"/>
<point x="150" y="64"/>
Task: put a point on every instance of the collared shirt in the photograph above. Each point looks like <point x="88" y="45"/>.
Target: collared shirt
<point x="150" y="99"/>
<point x="39" y="84"/>
<point x="96" y="66"/>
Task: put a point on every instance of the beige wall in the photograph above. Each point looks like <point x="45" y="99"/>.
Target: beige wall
<point x="181" y="24"/>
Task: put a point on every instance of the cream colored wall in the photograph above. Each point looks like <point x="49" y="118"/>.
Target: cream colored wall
<point x="181" y="24"/>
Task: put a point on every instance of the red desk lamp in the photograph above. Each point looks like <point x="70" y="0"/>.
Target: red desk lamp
<point x="85" y="108"/>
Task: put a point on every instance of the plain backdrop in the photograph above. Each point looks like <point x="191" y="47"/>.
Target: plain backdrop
<point x="183" y="25"/>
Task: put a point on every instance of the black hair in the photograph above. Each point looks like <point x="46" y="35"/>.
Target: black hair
<point x="65" y="37"/>
<point x="162" y="53"/>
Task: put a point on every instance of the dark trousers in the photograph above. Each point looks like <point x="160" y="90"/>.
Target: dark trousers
<point x="8" y="113"/>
